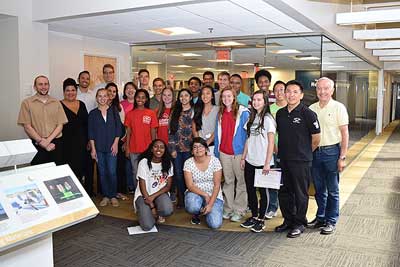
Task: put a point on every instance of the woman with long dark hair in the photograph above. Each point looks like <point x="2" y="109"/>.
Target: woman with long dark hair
<point x="154" y="176"/>
<point x="205" y="116"/>
<point x="163" y="112"/>
<point x="257" y="154"/>
<point x="180" y="137"/>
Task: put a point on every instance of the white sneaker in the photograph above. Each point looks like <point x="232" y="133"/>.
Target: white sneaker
<point x="114" y="202"/>
<point x="270" y="214"/>
<point x="104" y="202"/>
<point x="226" y="215"/>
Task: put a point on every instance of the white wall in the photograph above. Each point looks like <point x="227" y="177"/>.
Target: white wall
<point x="9" y="77"/>
<point x="66" y="54"/>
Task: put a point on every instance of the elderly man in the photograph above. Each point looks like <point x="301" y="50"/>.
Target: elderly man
<point x="43" y="117"/>
<point x="329" y="158"/>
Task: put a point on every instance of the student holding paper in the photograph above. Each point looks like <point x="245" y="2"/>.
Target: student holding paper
<point x="257" y="154"/>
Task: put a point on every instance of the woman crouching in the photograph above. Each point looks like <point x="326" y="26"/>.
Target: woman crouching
<point x="203" y="180"/>
<point x="154" y="174"/>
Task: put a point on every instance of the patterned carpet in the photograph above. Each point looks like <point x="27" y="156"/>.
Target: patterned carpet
<point x="368" y="234"/>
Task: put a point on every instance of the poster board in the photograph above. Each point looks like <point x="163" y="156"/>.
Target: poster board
<point x="40" y="201"/>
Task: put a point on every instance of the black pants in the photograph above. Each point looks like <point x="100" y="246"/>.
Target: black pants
<point x="293" y="194"/>
<point x="256" y="210"/>
<point x="44" y="156"/>
<point x="121" y="173"/>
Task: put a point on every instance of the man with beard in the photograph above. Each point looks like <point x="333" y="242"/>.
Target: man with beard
<point x="86" y="95"/>
<point x="43" y="117"/>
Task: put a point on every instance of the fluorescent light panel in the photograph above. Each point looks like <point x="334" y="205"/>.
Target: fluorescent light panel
<point x="244" y="64"/>
<point x="180" y="66"/>
<point x="286" y="51"/>
<point x="173" y="31"/>
<point x="226" y="44"/>
<point x="185" y="55"/>
<point x="150" y="63"/>
<point x="220" y="60"/>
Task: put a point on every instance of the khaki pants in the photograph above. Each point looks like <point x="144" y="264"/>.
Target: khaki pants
<point x="234" y="202"/>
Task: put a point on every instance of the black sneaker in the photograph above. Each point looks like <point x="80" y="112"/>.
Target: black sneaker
<point x="195" y="219"/>
<point x="328" y="229"/>
<point x="258" y="227"/>
<point x="315" y="224"/>
<point x="250" y="222"/>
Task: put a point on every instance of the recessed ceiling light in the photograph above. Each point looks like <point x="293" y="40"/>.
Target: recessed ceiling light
<point x="220" y="60"/>
<point x="149" y="63"/>
<point x="244" y="64"/>
<point x="208" y="68"/>
<point x="267" y="67"/>
<point x="180" y="66"/>
<point x="225" y="43"/>
<point x="197" y="73"/>
<point x="185" y="55"/>
<point x="334" y="66"/>
<point x="177" y="71"/>
<point x="221" y="70"/>
<point x="173" y="31"/>
<point x="286" y="51"/>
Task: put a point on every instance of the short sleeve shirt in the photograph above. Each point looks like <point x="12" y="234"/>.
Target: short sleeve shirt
<point x="155" y="179"/>
<point x="274" y="109"/>
<point x="44" y="117"/>
<point x="140" y="121"/>
<point x="257" y="143"/>
<point x="208" y="123"/>
<point x="331" y="117"/>
<point x="204" y="180"/>
<point x="295" y="130"/>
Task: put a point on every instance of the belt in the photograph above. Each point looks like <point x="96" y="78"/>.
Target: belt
<point x="327" y="147"/>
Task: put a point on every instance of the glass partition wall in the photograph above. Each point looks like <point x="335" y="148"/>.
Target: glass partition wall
<point x="304" y="58"/>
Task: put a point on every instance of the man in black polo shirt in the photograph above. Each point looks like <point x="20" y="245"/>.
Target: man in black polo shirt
<point x="299" y="135"/>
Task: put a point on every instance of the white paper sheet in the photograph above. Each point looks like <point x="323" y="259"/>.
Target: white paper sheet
<point x="271" y="180"/>
<point x="136" y="230"/>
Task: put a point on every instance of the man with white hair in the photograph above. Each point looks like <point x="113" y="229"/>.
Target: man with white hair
<point x="329" y="158"/>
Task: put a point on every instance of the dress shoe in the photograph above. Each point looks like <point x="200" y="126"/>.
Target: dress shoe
<point x="328" y="229"/>
<point x="315" y="224"/>
<point x="282" y="228"/>
<point x="295" y="232"/>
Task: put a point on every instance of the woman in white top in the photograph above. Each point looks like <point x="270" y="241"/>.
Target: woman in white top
<point x="203" y="180"/>
<point x="258" y="155"/>
<point x="154" y="173"/>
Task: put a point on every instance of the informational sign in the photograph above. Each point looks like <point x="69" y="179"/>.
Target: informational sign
<point x="39" y="201"/>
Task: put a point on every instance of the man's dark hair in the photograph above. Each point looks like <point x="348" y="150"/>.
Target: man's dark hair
<point x="237" y="76"/>
<point x="294" y="82"/>
<point x="196" y="79"/>
<point x="208" y="73"/>
<point x="143" y="70"/>
<point x="83" y="72"/>
<point x="109" y="66"/>
<point x="261" y="73"/>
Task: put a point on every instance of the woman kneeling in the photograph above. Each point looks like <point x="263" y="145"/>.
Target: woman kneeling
<point x="155" y="173"/>
<point x="203" y="180"/>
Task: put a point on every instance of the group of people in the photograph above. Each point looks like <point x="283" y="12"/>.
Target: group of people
<point x="200" y="149"/>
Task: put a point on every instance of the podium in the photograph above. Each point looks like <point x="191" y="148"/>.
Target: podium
<point x="36" y="201"/>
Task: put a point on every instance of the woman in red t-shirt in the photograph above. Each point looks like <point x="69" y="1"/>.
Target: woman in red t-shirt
<point x="164" y="112"/>
<point x="141" y="128"/>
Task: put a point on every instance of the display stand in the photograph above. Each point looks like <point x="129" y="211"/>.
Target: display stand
<point x="36" y="201"/>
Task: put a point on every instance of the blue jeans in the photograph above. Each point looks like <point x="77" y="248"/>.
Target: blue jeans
<point x="107" y="165"/>
<point x="194" y="203"/>
<point x="180" y="159"/>
<point x="326" y="181"/>
<point x="130" y="181"/>
<point x="272" y="200"/>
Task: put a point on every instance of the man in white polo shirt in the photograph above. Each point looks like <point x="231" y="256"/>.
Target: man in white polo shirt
<point x="329" y="158"/>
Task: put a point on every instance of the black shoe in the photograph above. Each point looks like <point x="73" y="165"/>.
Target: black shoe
<point x="282" y="228"/>
<point x="295" y="232"/>
<point x="315" y="224"/>
<point x="258" y="227"/>
<point x="250" y="222"/>
<point x="328" y="229"/>
<point x="195" y="220"/>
